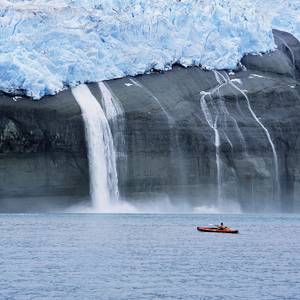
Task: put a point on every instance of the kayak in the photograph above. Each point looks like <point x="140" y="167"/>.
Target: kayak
<point x="214" y="229"/>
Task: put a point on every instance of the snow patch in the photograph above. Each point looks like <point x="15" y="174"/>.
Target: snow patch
<point x="239" y="81"/>
<point x="256" y="75"/>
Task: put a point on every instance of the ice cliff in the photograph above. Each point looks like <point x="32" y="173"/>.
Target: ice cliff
<point x="46" y="45"/>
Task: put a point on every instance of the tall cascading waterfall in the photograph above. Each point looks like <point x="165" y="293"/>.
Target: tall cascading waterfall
<point x="102" y="159"/>
<point x="213" y="124"/>
<point x="217" y="116"/>
<point x="112" y="108"/>
<point x="228" y="115"/>
<point x="276" y="185"/>
<point x="218" y="112"/>
<point x="115" y="115"/>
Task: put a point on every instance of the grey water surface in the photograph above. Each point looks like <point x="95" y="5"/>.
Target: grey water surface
<point x="144" y="256"/>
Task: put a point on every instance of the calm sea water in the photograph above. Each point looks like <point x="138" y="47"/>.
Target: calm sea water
<point x="94" y="256"/>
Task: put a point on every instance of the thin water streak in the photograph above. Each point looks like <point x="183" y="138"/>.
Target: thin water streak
<point x="277" y="187"/>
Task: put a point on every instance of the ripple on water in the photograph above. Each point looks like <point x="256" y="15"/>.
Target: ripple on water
<point x="96" y="256"/>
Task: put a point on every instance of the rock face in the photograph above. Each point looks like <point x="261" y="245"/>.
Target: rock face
<point x="190" y="135"/>
<point x="43" y="161"/>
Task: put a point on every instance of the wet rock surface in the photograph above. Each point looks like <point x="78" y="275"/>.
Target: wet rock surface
<point x="170" y="142"/>
<point x="43" y="161"/>
<point x="171" y="147"/>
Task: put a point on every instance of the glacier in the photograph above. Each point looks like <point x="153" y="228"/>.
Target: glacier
<point x="48" y="45"/>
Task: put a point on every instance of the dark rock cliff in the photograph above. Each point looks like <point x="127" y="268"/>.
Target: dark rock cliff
<point x="42" y="153"/>
<point x="170" y="141"/>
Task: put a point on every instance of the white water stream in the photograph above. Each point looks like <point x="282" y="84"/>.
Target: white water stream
<point x="138" y="84"/>
<point x="217" y="116"/>
<point x="102" y="159"/>
<point x="213" y="124"/>
<point x="220" y="114"/>
<point x="111" y="106"/>
<point x="277" y="187"/>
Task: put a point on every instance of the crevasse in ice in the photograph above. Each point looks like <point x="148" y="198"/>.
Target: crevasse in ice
<point x="46" y="45"/>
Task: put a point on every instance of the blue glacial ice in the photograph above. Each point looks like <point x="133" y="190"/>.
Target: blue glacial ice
<point x="47" y="45"/>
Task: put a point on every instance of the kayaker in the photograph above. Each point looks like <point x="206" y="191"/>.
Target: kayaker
<point x="222" y="226"/>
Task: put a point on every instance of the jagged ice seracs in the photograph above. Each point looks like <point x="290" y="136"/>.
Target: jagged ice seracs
<point x="47" y="45"/>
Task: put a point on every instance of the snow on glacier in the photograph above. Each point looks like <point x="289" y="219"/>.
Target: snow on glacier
<point x="46" y="45"/>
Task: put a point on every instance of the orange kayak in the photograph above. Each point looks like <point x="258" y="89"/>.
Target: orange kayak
<point x="214" y="229"/>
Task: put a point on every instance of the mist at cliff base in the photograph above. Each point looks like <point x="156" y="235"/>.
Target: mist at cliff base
<point x="157" y="205"/>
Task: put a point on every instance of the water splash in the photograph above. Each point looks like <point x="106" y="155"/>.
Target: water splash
<point x="102" y="159"/>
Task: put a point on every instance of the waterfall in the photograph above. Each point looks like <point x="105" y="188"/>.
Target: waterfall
<point x="111" y="106"/>
<point x="221" y="111"/>
<point x="237" y="128"/>
<point x="219" y="114"/>
<point x="178" y="159"/>
<point x="115" y="115"/>
<point x="102" y="159"/>
<point x="170" y="118"/>
<point x="275" y="157"/>
<point x="213" y="125"/>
